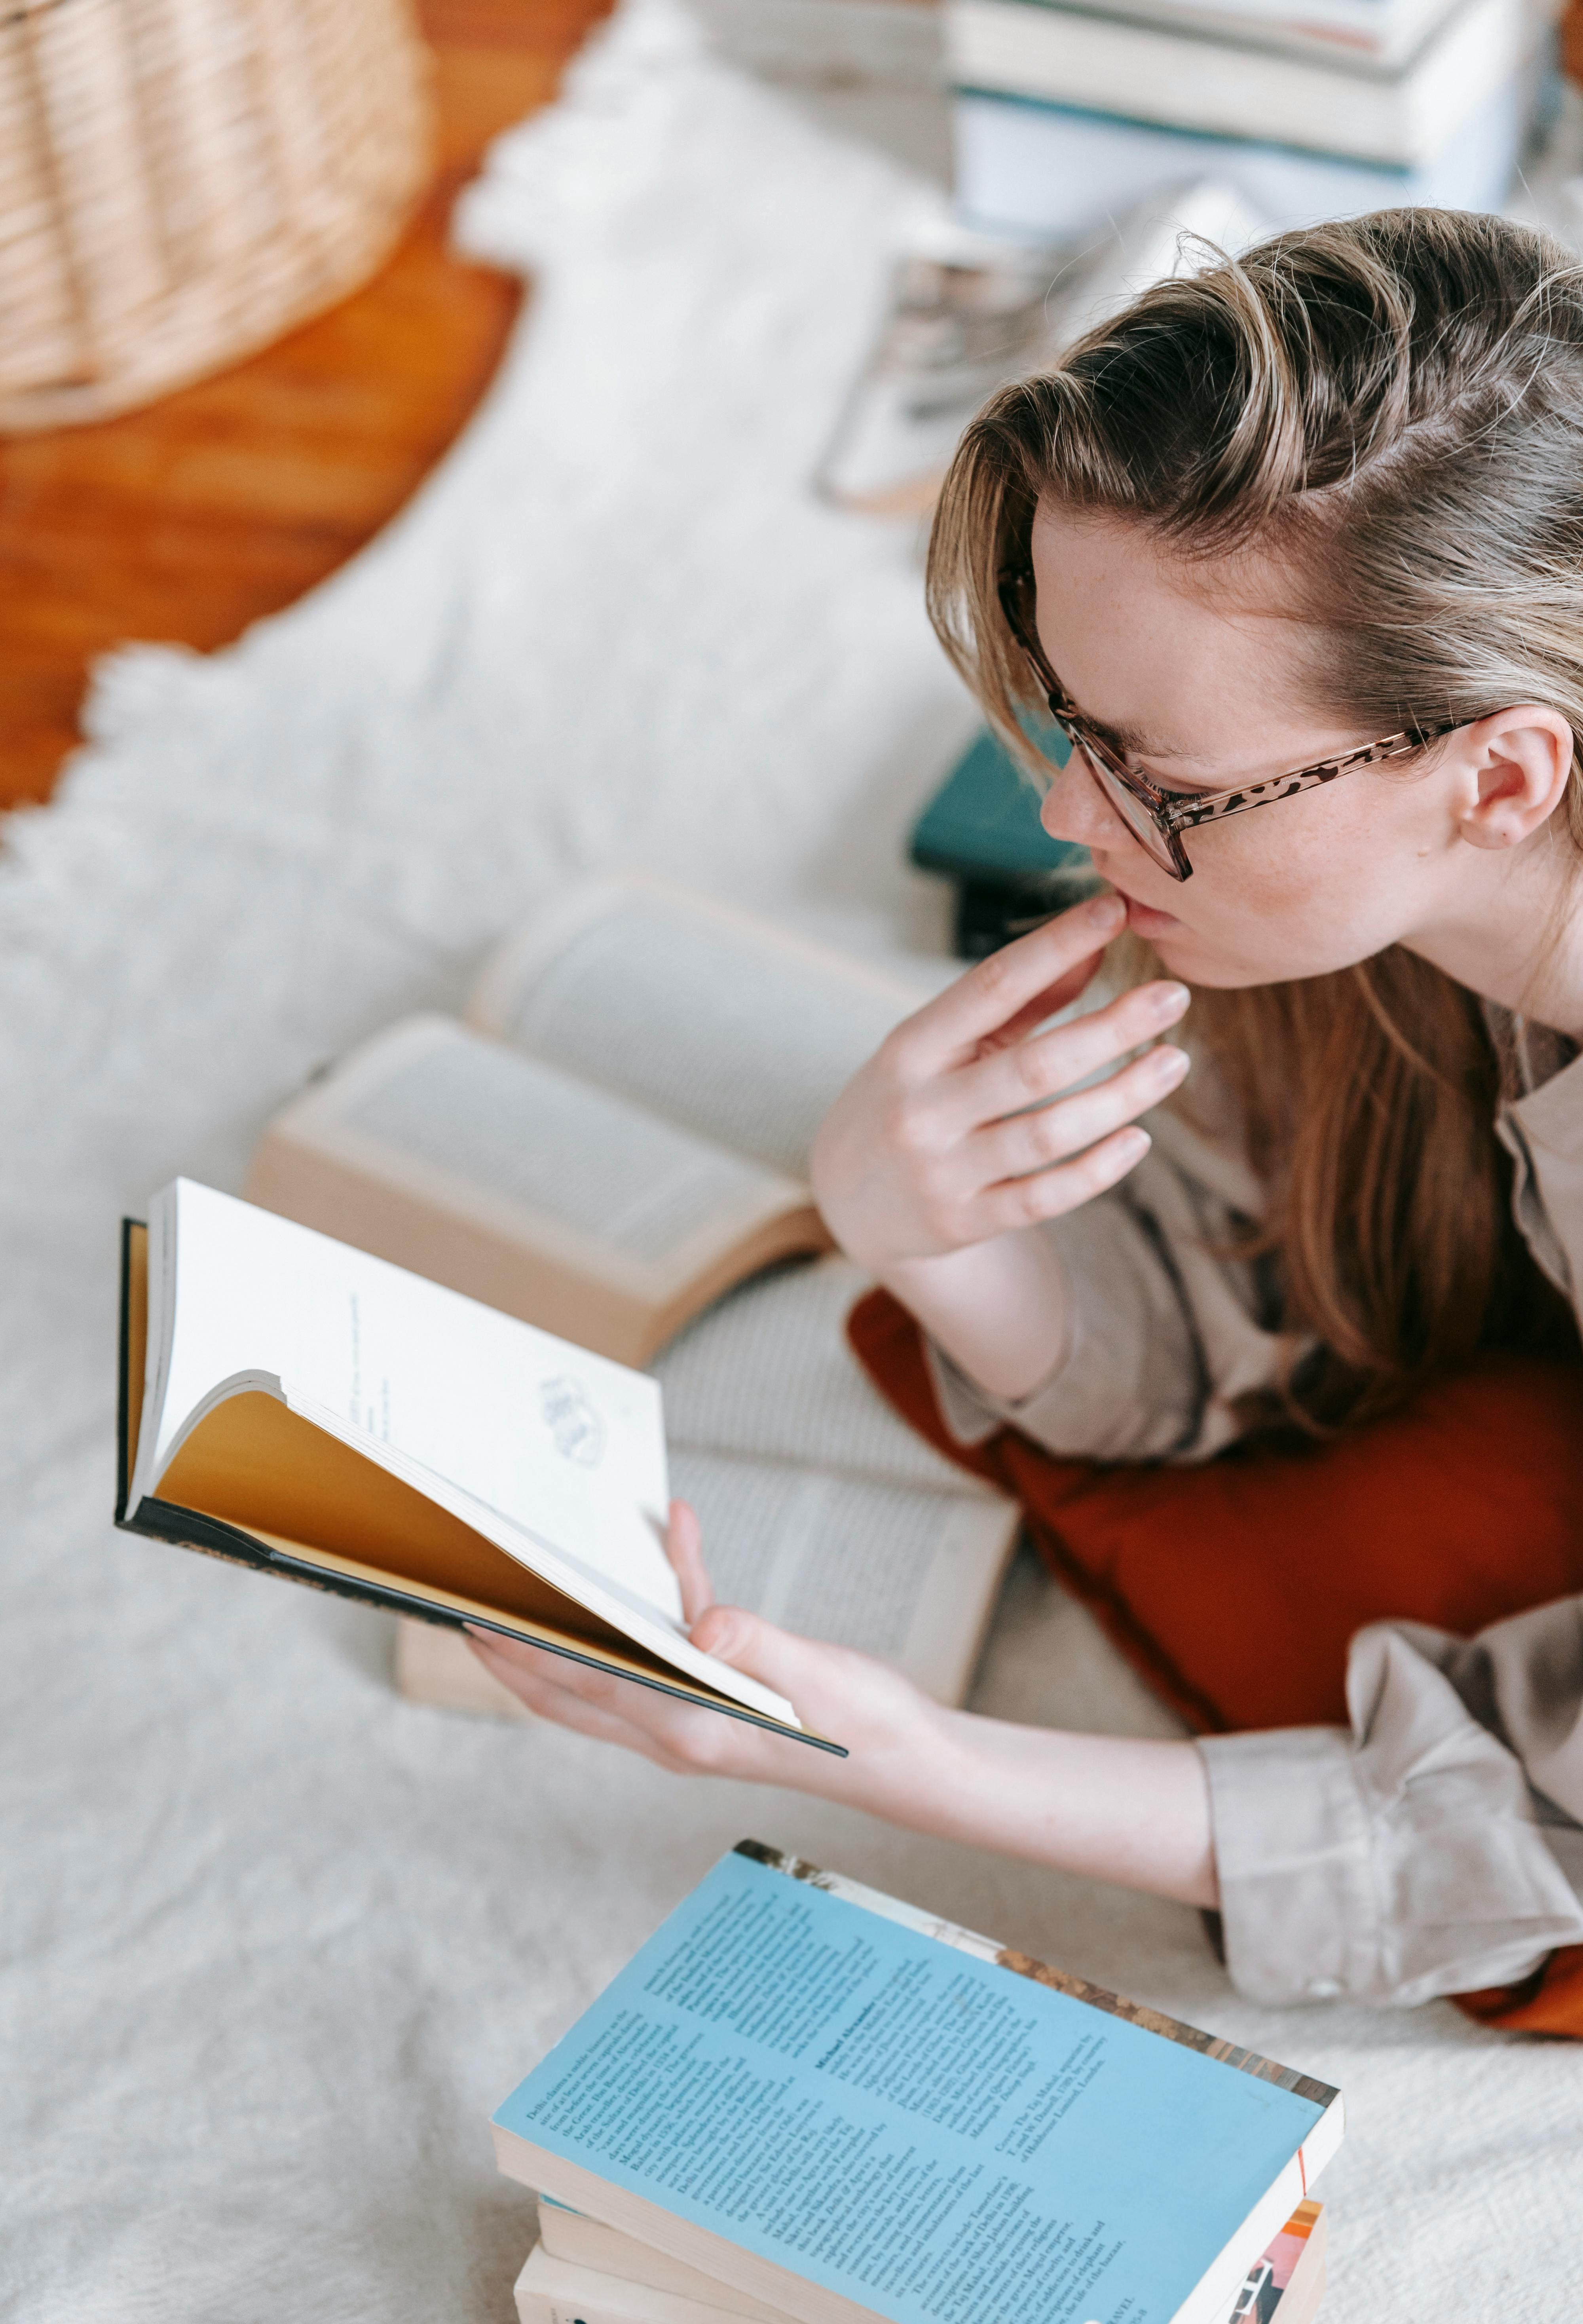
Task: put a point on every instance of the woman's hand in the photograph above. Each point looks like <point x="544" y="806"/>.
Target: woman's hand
<point x="955" y="1138"/>
<point x="955" y="1130"/>
<point x="1122" y="1810"/>
<point x="894" y="1735"/>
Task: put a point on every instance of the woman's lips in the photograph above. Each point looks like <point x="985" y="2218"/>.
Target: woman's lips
<point x="1145" y="919"/>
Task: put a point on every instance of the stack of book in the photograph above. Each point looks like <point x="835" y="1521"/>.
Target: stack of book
<point x="1066" y="113"/>
<point x="981" y="830"/>
<point x="806" y="2100"/>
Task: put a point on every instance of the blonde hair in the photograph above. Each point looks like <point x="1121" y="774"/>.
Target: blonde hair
<point x="1391" y="411"/>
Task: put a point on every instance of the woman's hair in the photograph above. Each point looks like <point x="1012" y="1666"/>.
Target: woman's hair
<point x="1388" y="414"/>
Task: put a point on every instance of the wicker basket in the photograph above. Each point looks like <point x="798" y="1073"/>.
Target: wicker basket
<point x="182" y="180"/>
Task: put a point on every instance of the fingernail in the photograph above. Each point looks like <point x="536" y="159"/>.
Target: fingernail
<point x="1131" y="1147"/>
<point x="1107" y="912"/>
<point x="1166" y="1065"/>
<point x="1168" y="1001"/>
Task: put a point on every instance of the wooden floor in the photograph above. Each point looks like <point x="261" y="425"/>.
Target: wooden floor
<point x="228" y="500"/>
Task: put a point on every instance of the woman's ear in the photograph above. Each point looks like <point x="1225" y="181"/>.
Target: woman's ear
<point x="1519" y="763"/>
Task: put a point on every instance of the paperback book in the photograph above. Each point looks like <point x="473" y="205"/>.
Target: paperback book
<point x="826" y="2100"/>
<point x="1172" y="72"/>
<point x="628" y="2283"/>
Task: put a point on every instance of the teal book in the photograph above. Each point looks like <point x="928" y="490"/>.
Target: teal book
<point x="843" y="2108"/>
<point x="984" y="824"/>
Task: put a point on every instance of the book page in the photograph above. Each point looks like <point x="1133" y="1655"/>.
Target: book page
<point x="905" y="1574"/>
<point x="732" y="1029"/>
<point x="539" y="1139"/>
<point x="800" y="2081"/>
<point x="562" y="1443"/>
<point x="767" y="1372"/>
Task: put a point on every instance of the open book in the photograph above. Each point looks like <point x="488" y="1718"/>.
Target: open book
<point x="618" y="1133"/>
<point x="823" y="2099"/>
<point x="315" y="1412"/>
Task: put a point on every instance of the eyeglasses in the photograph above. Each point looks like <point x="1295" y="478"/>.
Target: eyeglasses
<point x="1156" y="818"/>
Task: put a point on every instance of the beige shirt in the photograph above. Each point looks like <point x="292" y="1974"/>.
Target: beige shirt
<point x="1435" y="1846"/>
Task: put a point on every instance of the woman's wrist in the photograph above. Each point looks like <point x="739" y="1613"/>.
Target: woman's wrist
<point x="1124" y="1809"/>
<point x="998" y="1309"/>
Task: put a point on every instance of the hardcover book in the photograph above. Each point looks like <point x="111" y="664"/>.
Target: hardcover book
<point x="823" y="2098"/>
<point x="318" y="1414"/>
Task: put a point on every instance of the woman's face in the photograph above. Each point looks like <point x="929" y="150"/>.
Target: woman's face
<point x="1193" y="676"/>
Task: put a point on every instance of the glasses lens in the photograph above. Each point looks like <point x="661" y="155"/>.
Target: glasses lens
<point x="1132" y="810"/>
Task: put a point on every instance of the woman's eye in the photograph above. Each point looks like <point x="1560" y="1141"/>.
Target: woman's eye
<point x="1167" y="788"/>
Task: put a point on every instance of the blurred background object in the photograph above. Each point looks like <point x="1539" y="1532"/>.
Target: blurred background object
<point x="179" y="183"/>
<point x="1311" y="108"/>
<point x="191" y="517"/>
<point x="869" y="69"/>
<point x="969" y="311"/>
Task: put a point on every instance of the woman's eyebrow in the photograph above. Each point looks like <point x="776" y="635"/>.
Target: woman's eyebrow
<point x="1132" y="741"/>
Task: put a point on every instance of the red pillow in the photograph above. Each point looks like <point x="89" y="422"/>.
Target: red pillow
<point x="1234" y="1586"/>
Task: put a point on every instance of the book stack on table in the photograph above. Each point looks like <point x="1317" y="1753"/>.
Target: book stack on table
<point x="1065" y="113"/>
<point x="804" y="2100"/>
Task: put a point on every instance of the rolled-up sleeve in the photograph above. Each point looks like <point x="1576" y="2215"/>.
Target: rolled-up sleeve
<point x="1412" y="1854"/>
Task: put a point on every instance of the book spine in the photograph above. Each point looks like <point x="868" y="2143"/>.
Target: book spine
<point x="1189" y="78"/>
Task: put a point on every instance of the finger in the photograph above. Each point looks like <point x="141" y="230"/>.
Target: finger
<point x="1048" y="1193"/>
<point x="684" y="1545"/>
<point x="1010" y="1148"/>
<point x="533" y="1675"/>
<point x="1008" y="981"/>
<point x="675" y="1734"/>
<point x="782" y="1659"/>
<point x="1011" y="1080"/>
<point x="1045" y="1005"/>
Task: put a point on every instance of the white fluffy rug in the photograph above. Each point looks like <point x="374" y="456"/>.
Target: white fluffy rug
<point x="274" y="1942"/>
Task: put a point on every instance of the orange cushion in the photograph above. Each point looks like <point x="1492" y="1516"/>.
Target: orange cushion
<point x="1234" y="1586"/>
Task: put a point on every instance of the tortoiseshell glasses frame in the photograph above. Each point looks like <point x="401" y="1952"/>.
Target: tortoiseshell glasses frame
<point x="1156" y="818"/>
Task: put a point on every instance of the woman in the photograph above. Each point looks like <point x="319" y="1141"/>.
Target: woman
<point x="1304" y="535"/>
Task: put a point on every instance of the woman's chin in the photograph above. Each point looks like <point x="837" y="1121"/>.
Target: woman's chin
<point x="1181" y="951"/>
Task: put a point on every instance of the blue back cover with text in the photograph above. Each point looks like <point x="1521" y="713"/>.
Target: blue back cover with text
<point x="905" y="2123"/>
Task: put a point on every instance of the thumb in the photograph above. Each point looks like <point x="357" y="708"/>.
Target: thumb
<point x="759" y="1650"/>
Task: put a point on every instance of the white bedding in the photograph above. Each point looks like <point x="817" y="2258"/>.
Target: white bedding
<point x="275" y="1942"/>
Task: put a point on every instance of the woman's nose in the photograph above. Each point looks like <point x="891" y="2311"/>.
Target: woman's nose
<point x="1074" y="808"/>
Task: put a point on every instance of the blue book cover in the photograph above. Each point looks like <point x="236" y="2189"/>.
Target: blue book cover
<point x="848" y="2109"/>
<point x="983" y="824"/>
